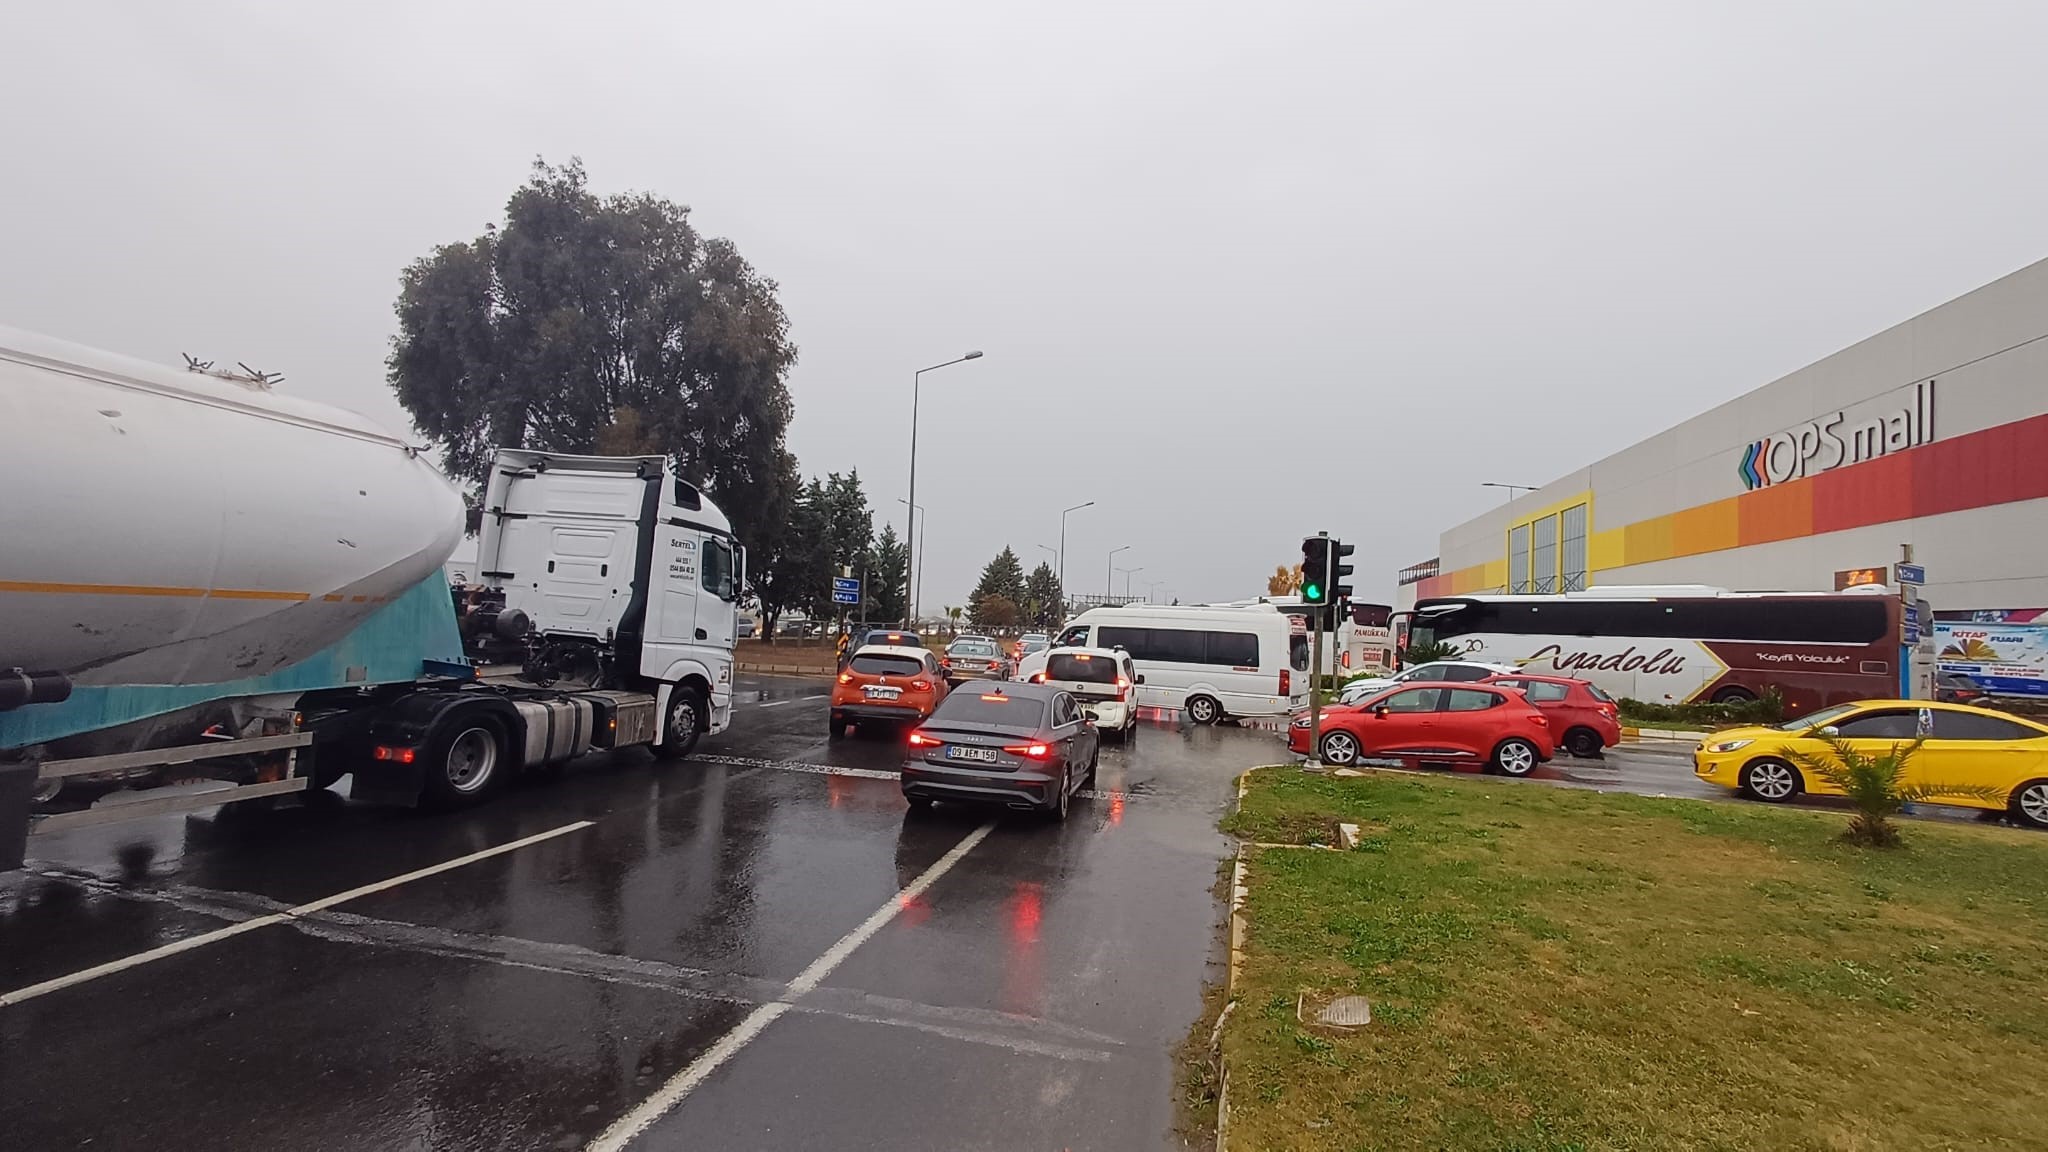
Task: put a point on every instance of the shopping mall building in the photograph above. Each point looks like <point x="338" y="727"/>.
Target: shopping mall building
<point x="1932" y="434"/>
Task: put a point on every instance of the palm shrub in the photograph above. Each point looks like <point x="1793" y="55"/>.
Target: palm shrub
<point x="1429" y="650"/>
<point x="1877" y="788"/>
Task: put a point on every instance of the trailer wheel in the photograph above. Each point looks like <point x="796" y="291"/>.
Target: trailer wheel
<point x="464" y="763"/>
<point x="686" y="720"/>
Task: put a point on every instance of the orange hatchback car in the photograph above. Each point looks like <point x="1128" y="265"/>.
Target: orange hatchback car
<point x="886" y="685"/>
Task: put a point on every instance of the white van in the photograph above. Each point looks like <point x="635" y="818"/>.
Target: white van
<point x="1208" y="662"/>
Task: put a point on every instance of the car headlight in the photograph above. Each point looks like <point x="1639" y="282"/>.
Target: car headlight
<point x="1729" y="745"/>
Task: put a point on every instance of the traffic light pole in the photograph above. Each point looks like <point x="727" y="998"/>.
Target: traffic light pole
<point x="1315" y="667"/>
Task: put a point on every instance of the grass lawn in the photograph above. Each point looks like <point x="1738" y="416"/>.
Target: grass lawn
<point x="1560" y="969"/>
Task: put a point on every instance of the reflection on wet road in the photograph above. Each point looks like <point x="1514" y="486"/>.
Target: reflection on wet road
<point x="758" y="948"/>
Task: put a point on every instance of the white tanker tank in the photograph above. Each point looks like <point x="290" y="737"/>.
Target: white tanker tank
<point x="160" y="526"/>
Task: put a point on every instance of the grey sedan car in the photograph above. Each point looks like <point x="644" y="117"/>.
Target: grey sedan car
<point x="1019" y="745"/>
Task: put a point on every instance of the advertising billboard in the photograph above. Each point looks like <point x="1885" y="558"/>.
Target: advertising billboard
<point x="2007" y="657"/>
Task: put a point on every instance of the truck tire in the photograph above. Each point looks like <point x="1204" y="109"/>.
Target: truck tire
<point x="465" y="763"/>
<point x="688" y="716"/>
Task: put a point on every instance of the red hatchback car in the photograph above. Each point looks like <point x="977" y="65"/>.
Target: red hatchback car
<point x="1456" y="723"/>
<point x="1584" y="718"/>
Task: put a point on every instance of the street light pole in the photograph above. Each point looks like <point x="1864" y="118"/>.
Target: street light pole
<point x="914" y="580"/>
<point x="1513" y="489"/>
<point x="1127" y="580"/>
<point x="916" y="379"/>
<point x="1109" y="577"/>
<point x="1063" y="549"/>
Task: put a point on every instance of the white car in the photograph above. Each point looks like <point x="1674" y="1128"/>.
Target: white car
<point x="1451" y="670"/>
<point x="1103" y="681"/>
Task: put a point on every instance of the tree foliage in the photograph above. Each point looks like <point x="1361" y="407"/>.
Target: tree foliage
<point x="997" y="611"/>
<point x="1284" y="581"/>
<point x="1004" y="577"/>
<point x="887" y="590"/>
<point x="600" y="324"/>
<point x="787" y="566"/>
<point x="1043" y="604"/>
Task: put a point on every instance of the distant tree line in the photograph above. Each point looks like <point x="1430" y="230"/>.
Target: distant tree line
<point x="611" y="326"/>
<point x="1006" y="598"/>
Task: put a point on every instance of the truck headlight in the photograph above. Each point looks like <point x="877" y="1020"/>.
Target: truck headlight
<point x="1729" y="745"/>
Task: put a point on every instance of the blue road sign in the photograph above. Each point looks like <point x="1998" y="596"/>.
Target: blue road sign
<point x="1909" y="574"/>
<point x="846" y="584"/>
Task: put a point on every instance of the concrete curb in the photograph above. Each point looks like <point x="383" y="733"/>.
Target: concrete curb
<point x="785" y="670"/>
<point x="1640" y="735"/>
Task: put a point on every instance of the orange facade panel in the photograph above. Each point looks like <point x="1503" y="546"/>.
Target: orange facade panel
<point x="1778" y="512"/>
<point x="1706" y="528"/>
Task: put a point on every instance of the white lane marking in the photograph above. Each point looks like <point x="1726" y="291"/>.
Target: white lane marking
<point x="140" y="958"/>
<point x="834" y="956"/>
<point x="444" y="866"/>
<point x="773" y="703"/>
<point x="627" y="1128"/>
<point x="189" y="943"/>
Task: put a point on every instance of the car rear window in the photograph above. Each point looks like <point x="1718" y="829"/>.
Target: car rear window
<point x="969" y="707"/>
<point x="878" y="664"/>
<point x="894" y="639"/>
<point x="972" y="648"/>
<point x="1076" y="668"/>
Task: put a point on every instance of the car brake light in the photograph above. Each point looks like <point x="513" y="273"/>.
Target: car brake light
<point x="922" y="740"/>
<point x="846" y="677"/>
<point x="1030" y="751"/>
<point x="1038" y="677"/>
<point x="920" y="685"/>
<point x="1286" y="681"/>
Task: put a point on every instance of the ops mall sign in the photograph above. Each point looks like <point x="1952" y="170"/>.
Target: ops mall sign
<point x="1819" y="445"/>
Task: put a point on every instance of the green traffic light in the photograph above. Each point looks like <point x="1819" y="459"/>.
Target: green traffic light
<point x="1311" y="592"/>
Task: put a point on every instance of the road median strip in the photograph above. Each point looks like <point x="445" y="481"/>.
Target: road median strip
<point x="1518" y="945"/>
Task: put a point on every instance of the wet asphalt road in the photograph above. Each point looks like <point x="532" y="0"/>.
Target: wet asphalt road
<point x="758" y="948"/>
<point x="719" y="959"/>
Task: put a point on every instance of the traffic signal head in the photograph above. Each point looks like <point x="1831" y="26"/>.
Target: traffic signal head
<point x="1315" y="564"/>
<point x="1339" y="590"/>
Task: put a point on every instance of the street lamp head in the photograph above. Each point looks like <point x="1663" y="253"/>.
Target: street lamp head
<point x="974" y="355"/>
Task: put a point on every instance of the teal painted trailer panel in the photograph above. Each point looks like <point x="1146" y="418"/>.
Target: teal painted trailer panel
<point x="404" y="641"/>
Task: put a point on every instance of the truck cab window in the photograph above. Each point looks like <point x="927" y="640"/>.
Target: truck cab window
<point x="718" y="569"/>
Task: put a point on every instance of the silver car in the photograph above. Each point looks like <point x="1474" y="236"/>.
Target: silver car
<point x="972" y="658"/>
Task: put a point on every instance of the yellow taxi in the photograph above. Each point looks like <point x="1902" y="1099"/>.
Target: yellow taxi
<point x="1961" y="745"/>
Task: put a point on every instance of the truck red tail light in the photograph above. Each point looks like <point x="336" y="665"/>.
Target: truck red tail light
<point x="1286" y="681"/>
<point x="395" y="755"/>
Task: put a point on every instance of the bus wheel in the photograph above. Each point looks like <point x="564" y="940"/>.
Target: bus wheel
<point x="1772" y="781"/>
<point x="1734" y="695"/>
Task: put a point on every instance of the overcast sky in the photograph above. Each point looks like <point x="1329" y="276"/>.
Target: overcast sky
<point x="1241" y="271"/>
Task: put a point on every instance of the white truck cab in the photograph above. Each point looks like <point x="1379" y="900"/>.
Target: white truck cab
<point x="619" y="557"/>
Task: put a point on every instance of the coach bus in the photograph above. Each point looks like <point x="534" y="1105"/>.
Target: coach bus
<point x="1674" y="644"/>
